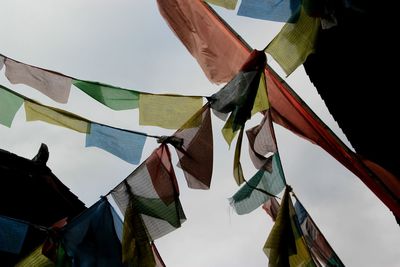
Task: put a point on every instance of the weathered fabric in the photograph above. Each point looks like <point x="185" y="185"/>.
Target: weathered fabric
<point x="54" y="85"/>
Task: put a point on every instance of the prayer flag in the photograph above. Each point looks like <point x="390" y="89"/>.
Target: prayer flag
<point x="196" y="154"/>
<point x="12" y="235"/>
<point x="167" y="111"/>
<point x="291" y="47"/>
<point x="285" y="245"/>
<point x="123" y="144"/>
<point x="152" y="190"/>
<point x="113" y="97"/>
<point x="272" y="181"/>
<point x="55" y="116"/>
<point x="136" y="248"/>
<point x="9" y="105"/>
<point x="239" y="94"/>
<point x="261" y="141"/>
<point x="206" y="38"/>
<point x="275" y="10"/>
<point x="90" y="239"/>
<point x="318" y="245"/>
<point x="36" y="258"/>
<point x="1" y="62"/>
<point x="228" y="4"/>
<point x="271" y="207"/>
<point x="54" y="85"/>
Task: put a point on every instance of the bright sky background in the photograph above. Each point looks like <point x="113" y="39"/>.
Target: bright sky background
<point x="127" y="44"/>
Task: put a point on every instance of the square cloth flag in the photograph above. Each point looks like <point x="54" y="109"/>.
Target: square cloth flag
<point x="55" y="86"/>
<point x="12" y="235"/>
<point x="113" y="97"/>
<point x="9" y="105"/>
<point x="123" y="144"/>
<point x="274" y="10"/>
<point x="167" y="111"/>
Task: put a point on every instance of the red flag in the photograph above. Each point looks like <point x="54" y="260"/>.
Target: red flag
<point x="220" y="53"/>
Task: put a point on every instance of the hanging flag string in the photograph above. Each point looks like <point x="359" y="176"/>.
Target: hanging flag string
<point x="81" y="118"/>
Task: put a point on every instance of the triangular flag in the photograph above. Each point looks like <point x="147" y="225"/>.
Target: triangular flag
<point x="167" y="111"/>
<point x="55" y="86"/>
<point x="123" y="144"/>
<point x="55" y="116"/>
<point x="113" y="97"/>
<point x="274" y="10"/>
<point x="9" y="105"/>
<point x="260" y="187"/>
<point x="228" y="4"/>
<point x="196" y="153"/>
<point x="291" y="47"/>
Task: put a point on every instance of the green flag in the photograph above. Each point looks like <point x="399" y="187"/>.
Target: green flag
<point x="113" y="97"/>
<point x="9" y="105"/>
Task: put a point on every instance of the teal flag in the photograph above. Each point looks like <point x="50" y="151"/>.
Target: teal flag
<point x="248" y="198"/>
<point x="113" y="97"/>
<point x="9" y="105"/>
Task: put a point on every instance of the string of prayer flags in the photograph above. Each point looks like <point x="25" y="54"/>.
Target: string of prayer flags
<point x="262" y="141"/>
<point x="123" y="144"/>
<point x="291" y="47"/>
<point x="53" y="85"/>
<point x="228" y="4"/>
<point x="275" y="10"/>
<point x="268" y="181"/>
<point x="167" y="111"/>
<point x="91" y="240"/>
<point x="55" y="116"/>
<point x="36" y="258"/>
<point x="319" y="247"/>
<point x="9" y="105"/>
<point x="12" y="235"/>
<point x="285" y="245"/>
<point x="113" y="97"/>
<point x="153" y="189"/>
<point x="196" y="153"/>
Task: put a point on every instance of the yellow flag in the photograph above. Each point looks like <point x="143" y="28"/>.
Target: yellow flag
<point x="55" y="116"/>
<point x="37" y="259"/>
<point x="291" y="47"/>
<point x="261" y="102"/>
<point x="228" y="4"/>
<point x="168" y="111"/>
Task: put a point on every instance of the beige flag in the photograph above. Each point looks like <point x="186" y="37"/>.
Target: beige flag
<point x="54" y="85"/>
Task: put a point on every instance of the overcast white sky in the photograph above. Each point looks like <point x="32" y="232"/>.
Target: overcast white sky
<point x="127" y="44"/>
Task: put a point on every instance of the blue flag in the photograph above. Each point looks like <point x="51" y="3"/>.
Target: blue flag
<point x="12" y="235"/>
<point x="123" y="144"/>
<point x="275" y="10"/>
